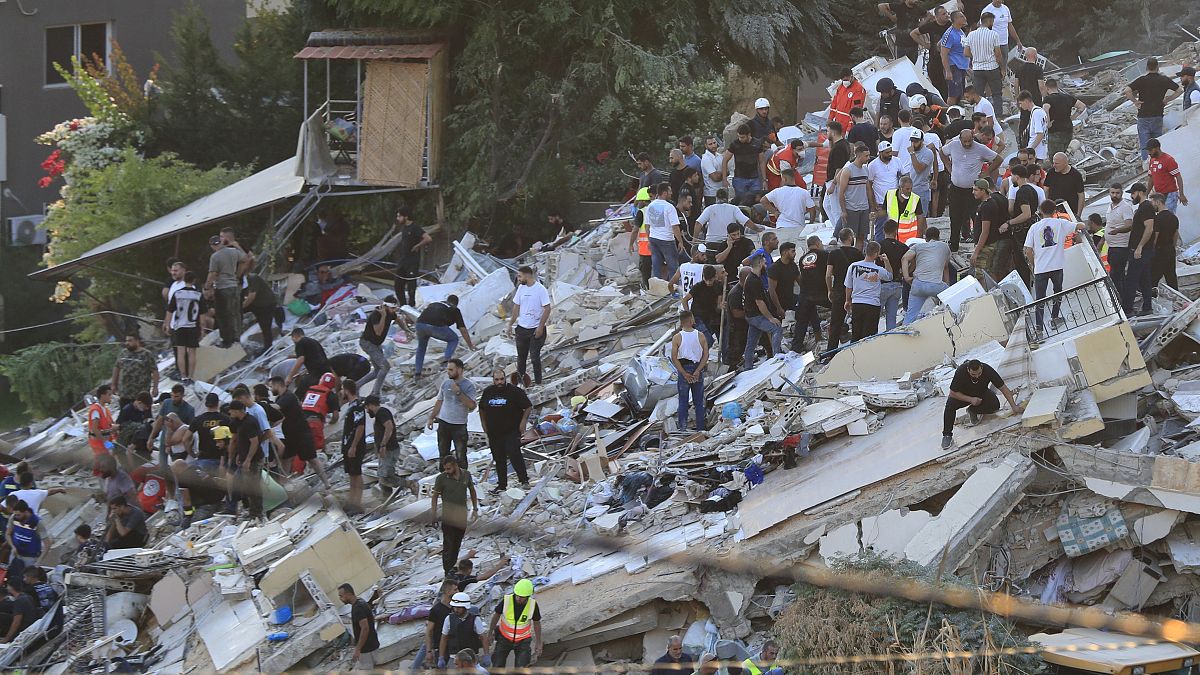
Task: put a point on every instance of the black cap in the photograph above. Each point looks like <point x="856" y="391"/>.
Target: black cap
<point x="1137" y="187"/>
<point x="885" y="85"/>
<point x="1187" y="70"/>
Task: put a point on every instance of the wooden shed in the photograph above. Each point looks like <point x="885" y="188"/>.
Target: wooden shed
<point x="390" y="133"/>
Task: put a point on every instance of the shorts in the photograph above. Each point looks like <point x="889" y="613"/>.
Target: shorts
<point x="956" y="83"/>
<point x="185" y="337"/>
<point x="353" y="465"/>
<point x="303" y="450"/>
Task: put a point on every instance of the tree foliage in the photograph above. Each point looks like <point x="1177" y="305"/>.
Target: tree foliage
<point x="824" y="623"/>
<point x="53" y="376"/>
<point x="542" y="79"/>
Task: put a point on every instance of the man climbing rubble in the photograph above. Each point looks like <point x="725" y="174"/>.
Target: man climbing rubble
<point x="504" y="414"/>
<point x="435" y="322"/>
<point x="970" y="389"/>
<point x="455" y="401"/>
<point x="516" y="628"/>
<point x="531" y="311"/>
<point x="452" y="486"/>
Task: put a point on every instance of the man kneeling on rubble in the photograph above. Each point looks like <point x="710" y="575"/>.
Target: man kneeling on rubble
<point x="970" y="389"/>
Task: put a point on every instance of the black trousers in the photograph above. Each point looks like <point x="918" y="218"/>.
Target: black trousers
<point x="837" y="320"/>
<point x="503" y="647"/>
<point x="452" y="537"/>
<point x="405" y="285"/>
<point x="962" y="208"/>
<point x="989" y="405"/>
<point x="806" y="317"/>
<point x="864" y="320"/>
<point x="529" y="348"/>
<point x="456" y="434"/>
<point x="1163" y="266"/>
<point x="645" y="262"/>
<point x="506" y="447"/>
<point x="266" y="319"/>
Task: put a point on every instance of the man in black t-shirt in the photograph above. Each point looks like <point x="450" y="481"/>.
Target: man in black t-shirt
<point x="757" y="304"/>
<point x="310" y="355"/>
<point x="993" y="248"/>
<point x="1060" y="108"/>
<point x="362" y="621"/>
<point x="504" y="412"/>
<point x="1166" y="234"/>
<point x="408" y="256"/>
<point x="1029" y="75"/>
<point x="433" y="626"/>
<point x="208" y="457"/>
<point x="748" y="162"/>
<point x="703" y="300"/>
<point x="1137" y="277"/>
<point x="386" y="443"/>
<point x="1064" y="183"/>
<point x="813" y="293"/>
<point x="736" y="249"/>
<point x="905" y="15"/>
<point x="892" y="292"/>
<point x="248" y="458"/>
<point x="1150" y="93"/>
<point x="371" y="342"/>
<point x="970" y="389"/>
<point x="353" y="443"/>
<point x="349" y="365"/>
<point x="20" y="611"/>
<point x="735" y="321"/>
<point x="434" y="322"/>
<point x="835" y="278"/>
<point x="928" y="35"/>
<point x="781" y="280"/>
<point x="258" y="298"/>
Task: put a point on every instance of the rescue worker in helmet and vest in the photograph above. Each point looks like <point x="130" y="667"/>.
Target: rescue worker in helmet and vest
<point x="461" y="630"/>
<point x="516" y="627"/>
<point x="320" y="400"/>
<point x="790" y="157"/>
<point x="641" y="236"/>
<point x="904" y="206"/>
<point x="766" y="657"/>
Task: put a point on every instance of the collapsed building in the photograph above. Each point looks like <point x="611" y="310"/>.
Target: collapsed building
<point x="1088" y="497"/>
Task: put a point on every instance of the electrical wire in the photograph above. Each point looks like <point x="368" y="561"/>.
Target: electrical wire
<point x="76" y="318"/>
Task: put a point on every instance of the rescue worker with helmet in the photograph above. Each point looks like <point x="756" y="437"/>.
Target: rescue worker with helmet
<point x="904" y="206"/>
<point x="516" y="627"/>
<point x="641" y="236"/>
<point x="320" y="400"/>
<point x="763" y="665"/>
<point x="461" y="630"/>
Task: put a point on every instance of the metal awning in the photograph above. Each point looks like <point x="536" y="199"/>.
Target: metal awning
<point x="370" y="52"/>
<point x="261" y="189"/>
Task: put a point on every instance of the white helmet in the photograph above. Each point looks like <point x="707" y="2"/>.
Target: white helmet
<point x="460" y="599"/>
<point x="762" y="103"/>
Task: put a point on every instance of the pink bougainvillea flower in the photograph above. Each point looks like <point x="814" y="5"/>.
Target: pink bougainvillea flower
<point x="44" y="181"/>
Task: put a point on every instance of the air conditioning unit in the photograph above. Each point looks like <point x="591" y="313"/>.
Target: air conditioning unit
<point x="26" y="231"/>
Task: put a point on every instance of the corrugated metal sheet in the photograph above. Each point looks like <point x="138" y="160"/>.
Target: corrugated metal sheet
<point x="367" y="52"/>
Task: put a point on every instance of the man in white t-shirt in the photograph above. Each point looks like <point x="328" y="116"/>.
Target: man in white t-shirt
<point x="715" y="219"/>
<point x="1045" y="248"/>
<point x="1039" y="126"/>
<point x="710" y="167"/>
<point x="792" y="202"/>
<point x="981" y="104"/>
<point x="1003" y="26"/>
<point x="1118" y="223"/>
<point x="531" y="311"/>
<point x="666" y="241"/>
<point x="884" y="174"/>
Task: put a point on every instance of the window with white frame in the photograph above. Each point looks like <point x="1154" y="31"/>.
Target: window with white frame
<point x="81" y="40"/>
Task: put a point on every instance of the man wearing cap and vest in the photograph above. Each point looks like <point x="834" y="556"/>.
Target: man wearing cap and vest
<point x="766" y="657"/>
<point x="904" y="206"/>
<point x="642" y="236"/>
<point x="461" y="630"/>
<point x="516" y="627"/>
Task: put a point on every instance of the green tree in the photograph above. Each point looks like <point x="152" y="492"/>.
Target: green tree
<point x="532" y="77"/>
<point x="52" y="377"/>
<point x="99" y="206"/>
<point x="189" y="108"/>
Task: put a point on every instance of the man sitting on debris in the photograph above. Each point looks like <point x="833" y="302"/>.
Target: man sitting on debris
<point x="126" y="525"/>
<point x="435" y="322"/>
<point x="117" y="483"/>
<point x="516" y="627"/>
<point x="90" y="548"/>
<point x="461" y="629"/>
<point x="689" y="354"/>
<point x="452" y="486"/>
<point x="675" y="659"/>
<point x="970" y="389"/>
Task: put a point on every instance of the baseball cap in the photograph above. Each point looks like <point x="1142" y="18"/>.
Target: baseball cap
<point x="917" y="100"/>
<point x="983" y="184"/>
<point x="214" y="240"/>
<point x="1137" y="187"/>
<point x="884" y="145"/>
<point x="885" y="85"/>
<point x="1187" y="70"/>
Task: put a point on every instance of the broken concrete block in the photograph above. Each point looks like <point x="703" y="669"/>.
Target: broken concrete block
<point x="1135" y="584"/>
<point x="212" y="361"/>
<point x="1044" y="407"/>
<point x="1155" y="526"/>
<point x="842" y="541"/>
<point x="1184" y="546"/>
<point x="168" y="599"/>
<point x="980" y="505"/>
<point x="890" y="532"/>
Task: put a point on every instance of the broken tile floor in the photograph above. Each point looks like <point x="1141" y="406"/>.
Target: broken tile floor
<point x="1090" y="496"/>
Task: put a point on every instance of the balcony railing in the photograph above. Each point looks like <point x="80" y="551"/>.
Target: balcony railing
<point x="1091" y="303"/>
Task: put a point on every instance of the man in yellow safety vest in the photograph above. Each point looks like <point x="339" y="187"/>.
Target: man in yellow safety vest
<point x="516" y="628"/>
<point x="641" y="236"/>
<point x="766" y="658"/>
<point x="904" y="206"/>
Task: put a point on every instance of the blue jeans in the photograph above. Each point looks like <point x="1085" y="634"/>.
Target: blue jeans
<point x="1040" y="283"/>
<point x="1172" y="201"/>
<point x="926" y="195"/>
<point x="889" y="299"/>
<point x="759" y="325"/>
<point x="694" y="392"/>
<point x="880" y="220"/>
<point x="1137" y="279"/>
<point x="664" y="252"/>
<point x="706" y="332"/>
<point x="444" y="333"/>
<point x="1148" y="127"/>
<point x="921" y="291"/>
<point x="742" y="186"/>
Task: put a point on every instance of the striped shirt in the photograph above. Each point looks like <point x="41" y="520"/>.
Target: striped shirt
<point x="983" y="43"/>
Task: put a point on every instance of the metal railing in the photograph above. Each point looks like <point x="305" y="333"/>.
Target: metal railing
<point x="1091" y="303"/>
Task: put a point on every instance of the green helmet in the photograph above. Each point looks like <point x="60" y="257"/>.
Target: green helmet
<point x="524" y="588"/>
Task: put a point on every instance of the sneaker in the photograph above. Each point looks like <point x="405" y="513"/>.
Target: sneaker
<point x="947" y="441"/>
<point x="975" y="417"/>
<point x="525" y="485"/>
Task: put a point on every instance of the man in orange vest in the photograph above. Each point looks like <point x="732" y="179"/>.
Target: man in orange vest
<point x="787" y="158"/>
<point x="516" y="628"/>
<point x="849" y="94"/>
<point x="99" y="421"/>
<point x="642" y="236"/>
<point x="904" y="206"/>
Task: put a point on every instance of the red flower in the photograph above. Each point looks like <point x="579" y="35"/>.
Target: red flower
<point x="44" y="182"/>
<point x="73" y="126"/>
<point x="50" y="161"/>
<point x="603" y="157"/>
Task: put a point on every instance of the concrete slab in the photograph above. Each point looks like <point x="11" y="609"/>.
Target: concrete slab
<point x="981" y="504"/>
<point x="211" y="361"/>
<point x="1155" y="526"/>
<point x="1044" y="407"/>
<point x="168" y="599"/>
<point x="842" y="541"/>
<point x="890" y="532"/>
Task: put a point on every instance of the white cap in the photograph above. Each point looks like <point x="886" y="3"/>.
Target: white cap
<point x="762" y="103"/>
<point x="884" y="145"/>
<point x="916" y="101"/>
<point x="460" y="599"/>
